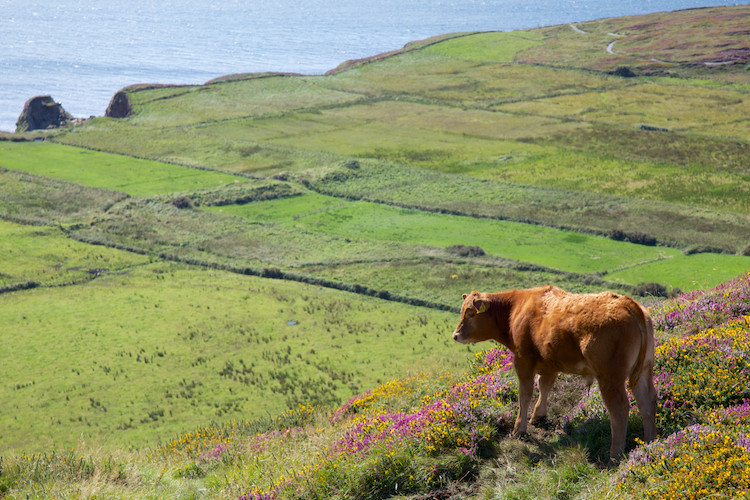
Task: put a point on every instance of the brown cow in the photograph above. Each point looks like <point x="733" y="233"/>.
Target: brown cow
<point x="602" y="336"/>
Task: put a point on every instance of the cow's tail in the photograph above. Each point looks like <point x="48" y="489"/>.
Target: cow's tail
<point x="646" y="352"/>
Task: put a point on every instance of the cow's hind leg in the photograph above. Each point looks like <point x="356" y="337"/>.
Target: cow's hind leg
<point x="546" y="382"/>
<point x="616" y="400"/>
<point x="645" y="395"/>
<point x="525" y="392"/>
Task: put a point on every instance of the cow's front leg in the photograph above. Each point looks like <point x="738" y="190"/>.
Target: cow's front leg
<point x="525" y="392"/>
<point x="546" y="382"/>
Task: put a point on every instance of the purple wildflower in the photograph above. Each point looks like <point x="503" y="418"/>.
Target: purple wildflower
<point x="214" y="454"/>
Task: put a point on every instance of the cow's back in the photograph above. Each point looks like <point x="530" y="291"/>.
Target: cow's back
<point x="587" y="334"/>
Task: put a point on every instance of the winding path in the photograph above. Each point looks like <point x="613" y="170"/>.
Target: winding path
<point x="578" y="30"/>
<point x="610" y="47"/>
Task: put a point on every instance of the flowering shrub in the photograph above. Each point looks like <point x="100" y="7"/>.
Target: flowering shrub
<point x="700" y="461"/>
<point x="388" y="446"/>
<point x="441" y="421"/>
<point x="388" y="391"/>
<point x="703" y="386"/>
<point x="216" y="443"/>
<point x="696" y="311"/>
<point x="701" y="372"/>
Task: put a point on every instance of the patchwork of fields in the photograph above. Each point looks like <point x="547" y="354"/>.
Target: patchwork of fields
<point x="235" y="249"/>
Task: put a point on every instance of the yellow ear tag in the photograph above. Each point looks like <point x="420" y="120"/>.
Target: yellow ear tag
<point x="482" y="308"/>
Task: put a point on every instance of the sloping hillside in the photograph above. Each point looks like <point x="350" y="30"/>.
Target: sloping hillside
<point x="437" y="435"/>
<point x="274" y="244"/>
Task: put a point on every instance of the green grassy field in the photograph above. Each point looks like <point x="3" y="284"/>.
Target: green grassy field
<point x="140" y="278"/>
<point x="327" y="222"/>
<point x="564" y="250"/>
<point x="45" y="255"/>
<point x="698" y="271"/>
<point x="137" y="356"/>
<point x="676" y="224"/>
<point x="119" y="173"/>
<point x="264" y="96"/>
<point x="551" y="248"/>
<point x="493" y="47"/>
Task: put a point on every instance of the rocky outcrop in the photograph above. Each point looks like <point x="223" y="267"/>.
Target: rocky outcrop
<point x="42" y="112"/>
<point x="119" y="106"/>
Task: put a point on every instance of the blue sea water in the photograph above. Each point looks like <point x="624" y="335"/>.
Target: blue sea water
<point x="82" y="51"/>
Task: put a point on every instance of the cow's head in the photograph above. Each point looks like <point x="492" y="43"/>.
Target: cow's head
<point x="477" y="323"/>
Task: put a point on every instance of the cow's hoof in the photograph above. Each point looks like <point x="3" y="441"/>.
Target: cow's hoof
<point x="518" y="434"/>
<point x="542" y="421"/>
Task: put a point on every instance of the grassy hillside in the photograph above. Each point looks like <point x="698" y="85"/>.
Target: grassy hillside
<point x="139" y="353"/>
<point x="444" y="434"/>
<point x="244" y="256"/>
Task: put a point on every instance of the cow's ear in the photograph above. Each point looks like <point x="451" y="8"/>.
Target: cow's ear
<point x="480" y="305"/>
<point x="465" y="295"/>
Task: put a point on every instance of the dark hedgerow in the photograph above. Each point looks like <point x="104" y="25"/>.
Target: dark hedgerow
<point x="466" y="251"/>
<point x="272" y="272"/>
<point x="705" y="249"/>
<point x="631" y="237"/>
<point x="650" y="289"/>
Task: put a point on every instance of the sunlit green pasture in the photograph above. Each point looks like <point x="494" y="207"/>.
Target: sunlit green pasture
<point x="409" y="116"/>
<point x="557" y="249"/>
<point x="438" y="137"/>
<point x="51" y="201"/>
<point x="418" y="146"/>
<point x="497" y="46"/>
<point x="680" y="224"/>
<point x="104" y="170"/>
<point x="226" y="101"/>
<point x="272" y="145"/>
<point x="549" y="247"/>
<point x="232" y="147"/>
<point x="45" y="255"/>
<point x="135" y="358"/>
<point x="687" y="272"/>
<point x="157" y="227"/>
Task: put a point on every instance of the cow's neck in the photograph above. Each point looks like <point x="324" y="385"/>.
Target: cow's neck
<point x="502" y="304"/>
